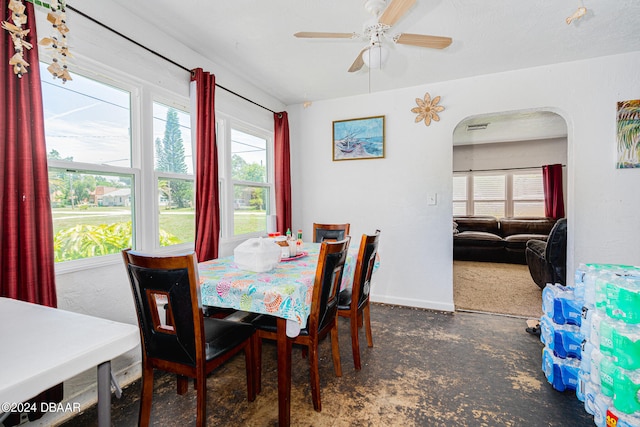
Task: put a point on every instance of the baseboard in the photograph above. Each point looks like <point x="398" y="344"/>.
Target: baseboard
<point x="410" y="302"/>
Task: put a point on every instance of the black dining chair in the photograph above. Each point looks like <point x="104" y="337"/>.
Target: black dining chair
<point x="187" y="344"/>
<point x="322" y="232"/>
<point x="353" y="302"/>
<point x="323" y="318"/>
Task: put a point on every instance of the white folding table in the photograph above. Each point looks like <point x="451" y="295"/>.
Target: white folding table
<point x="43" y="346"/>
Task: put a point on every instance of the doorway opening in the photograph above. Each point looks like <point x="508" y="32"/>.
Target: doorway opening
<point x="497" y="173"/>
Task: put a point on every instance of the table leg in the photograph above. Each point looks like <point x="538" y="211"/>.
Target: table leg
<point x="284" y="374"/>
<point x="104" y="394"/>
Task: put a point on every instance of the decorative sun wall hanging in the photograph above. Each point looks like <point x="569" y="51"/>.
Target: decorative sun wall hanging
<point x="427" y="109"/>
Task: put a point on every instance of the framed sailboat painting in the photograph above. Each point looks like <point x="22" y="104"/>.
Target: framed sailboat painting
<point x="358" y="139"/>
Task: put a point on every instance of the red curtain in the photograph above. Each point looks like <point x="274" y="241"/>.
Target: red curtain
<point x="207" y="194"/>
<point x="553" y="195"/>
<point x="282" y="171"/>
<point x="26" y="227"/>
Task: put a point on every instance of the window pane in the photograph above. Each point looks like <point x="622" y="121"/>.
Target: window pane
<point x="177" y="211"/>
<point x="459" y="208"/>
<point x="528" y="187"/>
<point x="459" y="188"/>
<point x="172" y="139"/>
<point x="489" y="208"/>
<point x="489" y="187"/>
<point x="86" y="121"/>
<point x="92" y="213"/>
<point x="528" y="208"/>
<point x="250" y="209"/>
<point x="248" y="157"/>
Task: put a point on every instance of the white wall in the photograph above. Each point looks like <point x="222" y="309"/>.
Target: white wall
<point x="515" y="154"/>
<point x="391" y="193"/>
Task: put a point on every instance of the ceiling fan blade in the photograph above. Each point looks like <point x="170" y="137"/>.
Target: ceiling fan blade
<point x="395" y="11"/>
<point x="422" y="40"/>
<point x="320" y="35"/>
<point x="358" y="63"/>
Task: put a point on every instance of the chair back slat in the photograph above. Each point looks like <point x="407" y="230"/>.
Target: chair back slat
<point x="364" y="268"/>
<point x="330" y="232"/>
<point x="154" y="280"/>
<point x="324" y="304"/>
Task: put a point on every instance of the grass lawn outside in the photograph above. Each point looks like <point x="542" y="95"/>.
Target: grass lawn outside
<point x="177" y="222"/>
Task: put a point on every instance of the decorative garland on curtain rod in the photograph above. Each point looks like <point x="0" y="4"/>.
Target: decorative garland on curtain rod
<point x="58" y="41"/>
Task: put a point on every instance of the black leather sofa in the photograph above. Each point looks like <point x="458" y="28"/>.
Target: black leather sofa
<point x="486" y="238"/>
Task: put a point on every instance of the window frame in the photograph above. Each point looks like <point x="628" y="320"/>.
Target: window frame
<point x="145" y="233"/>
<point x="184" y="106"/>
<point x="224" y="125"/>
<point x="508" y="201"/>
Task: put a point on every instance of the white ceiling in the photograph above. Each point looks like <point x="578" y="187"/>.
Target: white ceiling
<point x="255" y="39"/>
<point x="509" y="127"/>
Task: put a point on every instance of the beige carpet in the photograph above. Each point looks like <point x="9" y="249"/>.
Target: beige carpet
<point x="496" y="288"/>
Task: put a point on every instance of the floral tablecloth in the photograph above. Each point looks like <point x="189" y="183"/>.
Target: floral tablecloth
<point x="284" y="291"/>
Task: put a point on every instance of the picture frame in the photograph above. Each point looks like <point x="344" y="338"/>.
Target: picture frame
<point x="358" y="139"/>
<point x="628" y="131"/>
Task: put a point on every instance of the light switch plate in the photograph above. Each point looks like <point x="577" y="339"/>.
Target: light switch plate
<point x="432" y="199"/>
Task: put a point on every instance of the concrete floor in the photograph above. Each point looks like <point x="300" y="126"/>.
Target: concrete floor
<point x="426" y="369"/>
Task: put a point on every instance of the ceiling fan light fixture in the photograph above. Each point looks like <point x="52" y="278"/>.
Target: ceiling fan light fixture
<point x="375" y="56"/>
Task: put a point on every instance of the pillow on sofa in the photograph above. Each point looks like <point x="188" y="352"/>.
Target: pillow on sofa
<point x="455" y="228"/>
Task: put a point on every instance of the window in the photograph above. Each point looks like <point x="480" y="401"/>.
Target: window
<point x="115" y="181"/>
<point x="489" y="194"/>
<point x="249" y="175"/>
<point x="91" y="179"/>
<point x="174" y="175"/>
<point x="460" y="195"/>
<point x="528" y="194"/>
<point x="247" y="181"/>
<point x="121" y="169"/>
<point x="499" y="193"/>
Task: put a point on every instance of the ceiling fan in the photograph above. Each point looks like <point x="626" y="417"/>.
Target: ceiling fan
<point x="374" y="54"/>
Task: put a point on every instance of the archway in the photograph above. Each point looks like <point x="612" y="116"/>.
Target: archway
<point x="497" y="160"/>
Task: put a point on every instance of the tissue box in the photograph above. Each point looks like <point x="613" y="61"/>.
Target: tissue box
<point x="257" y="255"/>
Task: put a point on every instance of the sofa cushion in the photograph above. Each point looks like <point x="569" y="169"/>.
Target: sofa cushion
<point x="487" y="224"/>
<point x="478" y="239"/>
<point x="519" y="241"/>
<point x="526" y="225"/>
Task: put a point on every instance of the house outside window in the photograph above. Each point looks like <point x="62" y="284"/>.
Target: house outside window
<point x="91" y="175"/>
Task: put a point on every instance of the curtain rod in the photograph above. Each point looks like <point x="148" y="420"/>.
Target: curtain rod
<point x="158" y="54"/>
<point x="500" y="169"/>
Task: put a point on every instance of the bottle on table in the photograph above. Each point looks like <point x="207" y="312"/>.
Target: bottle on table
<point x="299" y="242"/>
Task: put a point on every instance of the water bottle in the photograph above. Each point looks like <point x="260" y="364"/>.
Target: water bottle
<point x="596" y="358"/>
<point x="601" y="405"/>
<point x="562" y="374"/>
<point x="617" y="418"/>
<point x="585" y="323"/>
<point x="590" y="390"/>
<point x="626" y="345"/>
<point x="560" y="304"/>
<point x="585" y="360"/>
<point x="623" y="299"/>
<point x="608" y="373"/>
<point x="626" y="386"/>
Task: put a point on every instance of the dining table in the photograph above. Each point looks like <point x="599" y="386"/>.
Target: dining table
<point x="284" y="292"/>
